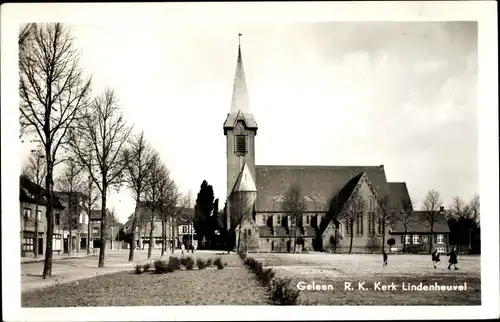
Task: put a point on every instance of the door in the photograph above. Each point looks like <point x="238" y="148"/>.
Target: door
<point x="65" y="245"/>
<point x="40" y="246"/>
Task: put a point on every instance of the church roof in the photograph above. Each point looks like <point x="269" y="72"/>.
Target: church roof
<point x="240" y="103"/>
<point x="398" y="193"/>
<point x="320" y="183"/>
<point x="245" y="181"/>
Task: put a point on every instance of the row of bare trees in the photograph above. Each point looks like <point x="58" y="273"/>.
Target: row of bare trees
<point x="90" y="135"/>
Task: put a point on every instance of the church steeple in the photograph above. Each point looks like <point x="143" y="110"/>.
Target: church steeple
<point x="240" y="100"/>
<point x="240" y="103"/>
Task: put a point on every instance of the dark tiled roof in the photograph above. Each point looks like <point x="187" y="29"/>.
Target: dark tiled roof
<point x="420" y="224"/>
<point x="27" y="190"/>
<point x="398" y="194"/>
<point x="95" y="214"/>
<point x="320" y="183"/>
<point x="337" y="204"/>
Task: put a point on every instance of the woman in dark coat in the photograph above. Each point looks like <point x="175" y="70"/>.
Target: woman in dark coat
<point x="435" y="258"/>
<point x="453" y="259"/>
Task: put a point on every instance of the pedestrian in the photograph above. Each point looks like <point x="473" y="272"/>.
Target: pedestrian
<point x="453" y="259"/>
<point x="385" y="258"/>
<point x="435" y="258"/>
<point x="182" y="249"/>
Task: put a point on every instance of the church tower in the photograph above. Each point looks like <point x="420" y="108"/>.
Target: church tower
<point x="240" y="130"/>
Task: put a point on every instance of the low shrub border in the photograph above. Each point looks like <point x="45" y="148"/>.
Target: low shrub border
<point x="174" y="263"/>
<point x="282" y="290"/>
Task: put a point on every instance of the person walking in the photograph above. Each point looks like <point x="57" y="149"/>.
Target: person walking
<point x="453" y="259"/>
<point x="435" y="258"/>
<point x="384" y="254"/>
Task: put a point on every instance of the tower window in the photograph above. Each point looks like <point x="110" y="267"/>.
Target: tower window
<point x="241" y="144"/>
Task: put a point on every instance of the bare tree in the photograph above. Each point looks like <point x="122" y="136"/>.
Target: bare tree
<point x="52" y="91"/>
<point x="458" y="207"/>
<point x="184" y="213"/>
<point x="70" y="185"/>
<point x="405" y="216"/>
<point x="241" y="210"/>
<point x="294" y="206"/>
<point x="432" y="204"/>
<point x="351" y="211"/>
<point x="35" y="170"/>
<point x="169" y="196"/>
<point x="473" y="207"/>
<point x="91" y="197"/>
<point x="385" y="213"/>
<point x="152" y="192"/>
<point x="138" y="159"/>
<point x="98" y="142"/>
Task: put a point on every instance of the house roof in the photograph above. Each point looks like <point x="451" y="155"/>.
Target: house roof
<point x="28" y="190"/>
<point x="398" y="194"/>
<point x="319" y="183"/>
<point x="95" y="214"/>
<point x="419" y="224"/>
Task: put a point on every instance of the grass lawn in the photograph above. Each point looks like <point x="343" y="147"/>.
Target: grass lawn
<point x="234" y="285"/>
<point x="333" y="270"/>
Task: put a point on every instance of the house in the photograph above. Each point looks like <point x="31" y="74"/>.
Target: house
<point x="111" y="233"/>
<point x="257" y="193"/>
<point x="176" y="231"/>
<point x="75" y="216"/>
<point x="417" y="237"/>
<point x="32" y="213"/>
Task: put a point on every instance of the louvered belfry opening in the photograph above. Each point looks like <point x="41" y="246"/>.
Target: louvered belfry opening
<point x="241" y="145"/>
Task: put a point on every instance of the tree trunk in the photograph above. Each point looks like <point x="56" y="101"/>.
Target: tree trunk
<point x="103" y="227"/>
<point x="239" y="239"/>
<point x="295" y="236"/>
<point x="134" y="224"/>
<point x="35" y="244"/>
<point x="163" y="236"/>
<point x="352" y="237"/>
<point x="49" y="185"/>
<point x="70" y="236"/>
<point x="431" y="239"/>
<point x="404" y="241"/>
<point x="383" y="235"/>
<point x="88" y="232"/>
<point x="173" y="235"/>
<point x="150" y="247"/>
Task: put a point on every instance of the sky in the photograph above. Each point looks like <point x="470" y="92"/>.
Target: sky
<point x="401" y="94"/>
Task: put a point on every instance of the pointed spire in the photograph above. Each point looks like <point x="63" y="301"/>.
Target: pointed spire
<point x="245" y="181"/>
<point x="240" y="93"/>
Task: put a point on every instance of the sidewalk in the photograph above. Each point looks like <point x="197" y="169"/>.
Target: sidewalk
<point x="67" y="271"/>
<point x="41" y="258"/>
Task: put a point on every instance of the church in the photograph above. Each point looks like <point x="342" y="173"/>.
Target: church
<point x="256" y="193"/>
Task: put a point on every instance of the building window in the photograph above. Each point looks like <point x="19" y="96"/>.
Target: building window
<point x="241" y="144"/>
<point x="249" y="233"/>
<point x="308" y="219"/>
<point x="416" y="239"/>
<point x="425" y="239"/>
<point x="27" y="213"/>
<point x="95" y="231"/>
<point x="407" y="239"/>
<point x="348" y="227"/>
<point x="380" y="226"/>
<point x="28" y="239"/>
<point x="371" y="224"/>
<point x="80" y="219"/>
<point x="359" y="224"/>
<point x="184" y="229"/>
<point x="370" y="204"/>
<point x="440" y="239"/>
<point x="39" y="216"/>
<point x="56" y="242"/>
<point x="58" y="219"/>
